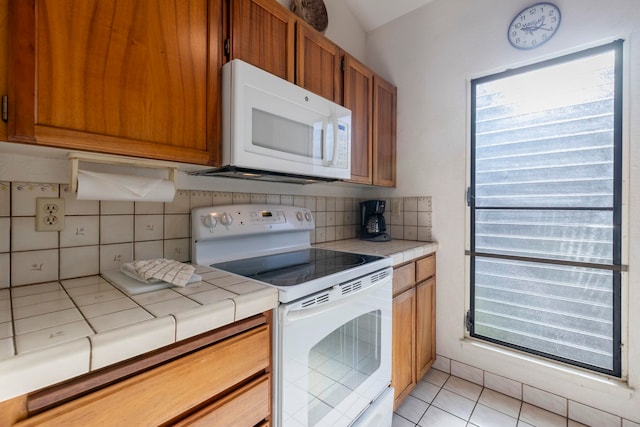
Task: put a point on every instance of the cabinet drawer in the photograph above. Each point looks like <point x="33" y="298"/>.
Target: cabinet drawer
<point x="404" y="278"/>
<point x="425" y="267"/>
<point x="164" y="393"/>
<point x="245" y="407"/>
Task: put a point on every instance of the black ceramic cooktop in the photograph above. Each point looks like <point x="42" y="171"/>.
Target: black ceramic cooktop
<point x="292" y="268"/>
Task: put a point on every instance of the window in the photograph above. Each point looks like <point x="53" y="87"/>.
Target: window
<point x="545" y="208"/>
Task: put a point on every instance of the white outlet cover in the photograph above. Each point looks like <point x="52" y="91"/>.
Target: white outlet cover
<point x="49" y="214"/>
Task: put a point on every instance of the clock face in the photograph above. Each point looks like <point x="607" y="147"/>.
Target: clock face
<point x="534" y="26"/>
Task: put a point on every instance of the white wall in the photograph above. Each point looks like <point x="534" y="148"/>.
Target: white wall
<point x="430" y="55"/>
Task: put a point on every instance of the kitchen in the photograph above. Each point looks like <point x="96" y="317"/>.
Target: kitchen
<point x="432" y="132"/>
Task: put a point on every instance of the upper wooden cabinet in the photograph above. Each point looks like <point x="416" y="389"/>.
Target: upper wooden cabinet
<point x="358" y="97"/>
<point x="262" y="33"/>
<point x="384" y="132"/>
<point x="318" y="63"/>
<point x="132" y="77"/>
<point x="372" y="102"/>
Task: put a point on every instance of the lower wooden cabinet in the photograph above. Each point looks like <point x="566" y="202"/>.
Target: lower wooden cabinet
<point x="247" y="406"/>
<point x="226" y="383"/>
<point x="413" y="335"/>
<point x="403" y="374"/>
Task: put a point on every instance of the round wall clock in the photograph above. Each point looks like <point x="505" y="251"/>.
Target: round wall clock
<point x="534" y="26"/>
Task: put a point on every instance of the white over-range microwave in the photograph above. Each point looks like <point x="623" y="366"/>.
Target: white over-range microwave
<point x="274" y="130"/>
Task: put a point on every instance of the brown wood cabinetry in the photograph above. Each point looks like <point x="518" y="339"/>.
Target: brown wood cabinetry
<point x="384" y="132"/>
<point x="129" y="77"/>
<point x="372" y="102"/>
<point x="358" y="97"/>
<point x="403" y="373"/>
<point x="225" y="383"/>
<point x="143" y="77"/>
<point x="318" y="63"/>
<point x="413" y="349"/>
<point x="262" y="33"/>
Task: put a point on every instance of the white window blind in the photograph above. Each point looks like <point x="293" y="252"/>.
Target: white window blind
<point x="545" y="208"/>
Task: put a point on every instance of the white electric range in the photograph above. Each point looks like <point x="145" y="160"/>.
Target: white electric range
<point x="332" y="330"/>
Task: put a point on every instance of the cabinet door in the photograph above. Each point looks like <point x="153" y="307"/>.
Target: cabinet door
<point x="318" y="63"/>
<point x="425" y="326"/>
<point x="384" y="133"/>
<point x="403" y="376"/>
<point x="117" y="76"/>
<point x="262" y="34"/>
<point x="358" y="97"/>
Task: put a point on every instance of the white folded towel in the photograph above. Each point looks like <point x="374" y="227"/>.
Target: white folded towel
<point x="155" y="270"/>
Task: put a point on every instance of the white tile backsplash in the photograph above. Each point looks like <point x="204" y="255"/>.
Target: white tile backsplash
<point x="101" y="235"/>
<point x="5" y="234"/>
<point x="24" y="195"/>
<point x="148" y="250"/>
<point x="24" y="236"/>
<point x="180" y="203"/>
<point x="34" y="267"/>
<point x="78" y="207"/>
<point x="116" y="229"/>
<point x="110" y="207"/>
<point x="82" y="230"/>
<point x="79" y="261"/>
<point x="149" y="227"/>
<point x="200" y="198"/>
<point x="178" y="249"/>
<point x="5" y="198"/>
<point x="148" y="208"/>
<point x="112" y="256"/>
<point x="177" y="226"/>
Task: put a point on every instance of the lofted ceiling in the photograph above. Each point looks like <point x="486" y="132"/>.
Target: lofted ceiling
<point x="375" y="13"/>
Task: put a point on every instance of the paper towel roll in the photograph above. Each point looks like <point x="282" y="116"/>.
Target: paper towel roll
<point x="107" y="186"/>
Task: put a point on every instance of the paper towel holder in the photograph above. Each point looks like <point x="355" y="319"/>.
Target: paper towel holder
<point x="108" y="159"/>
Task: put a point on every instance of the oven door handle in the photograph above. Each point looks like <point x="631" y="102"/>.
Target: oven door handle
<point x="290" y="315"/>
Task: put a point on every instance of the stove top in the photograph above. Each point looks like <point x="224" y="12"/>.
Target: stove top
<point x="293" y="268"/>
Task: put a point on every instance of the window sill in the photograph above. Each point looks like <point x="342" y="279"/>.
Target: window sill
<point x="577" y="376"/>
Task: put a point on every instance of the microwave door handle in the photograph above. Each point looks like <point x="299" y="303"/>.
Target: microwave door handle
<point x="335" y="140"/>
<point x="325" y="145"/>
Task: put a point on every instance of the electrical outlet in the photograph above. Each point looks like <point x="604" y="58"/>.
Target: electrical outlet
<point x="49" y="214"/>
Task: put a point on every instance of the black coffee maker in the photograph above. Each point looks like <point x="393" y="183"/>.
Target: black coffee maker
<point x="372" y="224"/>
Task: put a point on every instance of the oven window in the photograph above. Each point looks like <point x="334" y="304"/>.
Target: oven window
<point x="341" y="362"/>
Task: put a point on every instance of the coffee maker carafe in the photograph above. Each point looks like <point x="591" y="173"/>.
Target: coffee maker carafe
<point x="372" y="224"/>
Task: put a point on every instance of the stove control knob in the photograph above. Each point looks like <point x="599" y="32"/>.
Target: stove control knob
<point x="225" y="219"/>
<point x="210" y="220"/>
<point x="299" y="216"/>
<point x="307" y="216"/>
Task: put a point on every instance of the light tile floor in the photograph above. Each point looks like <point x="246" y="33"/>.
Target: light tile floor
<point x="442" y="400"/>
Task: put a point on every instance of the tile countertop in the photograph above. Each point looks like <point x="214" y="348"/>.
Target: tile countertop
<point x="68" y="328"/>
<point x="399" y="250"/>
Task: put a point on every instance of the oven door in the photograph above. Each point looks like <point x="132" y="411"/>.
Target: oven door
<point x="333" y="358"/>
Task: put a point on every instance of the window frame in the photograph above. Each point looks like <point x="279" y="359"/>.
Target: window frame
<point x="619" y="198"/>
